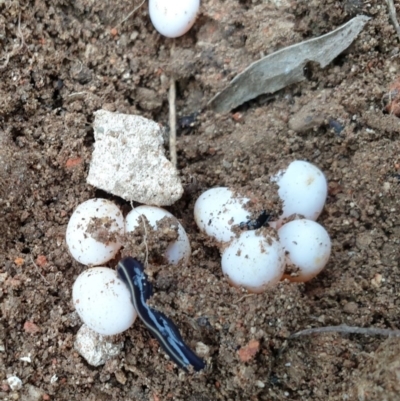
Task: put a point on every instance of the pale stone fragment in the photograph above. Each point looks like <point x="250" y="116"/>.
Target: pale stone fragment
<point x="129" y="161"/>
<point x="94" y="347"/>
<point x="14" y="382"/>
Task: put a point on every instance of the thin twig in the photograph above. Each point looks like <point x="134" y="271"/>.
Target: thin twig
<point x="38" y="270"/>
<point x="242" y="298"/>
<point x="369" y="331"/>
<point x="172" y="122"/>
<point x="75" y="96"/>
<point x="146" y="262"/>
<point x="21" y="35"/>
<point x="130" y="14"/>
<point x="392" y="14"/>
<point x="4" y="65"/>
<point x="16" y="49"/>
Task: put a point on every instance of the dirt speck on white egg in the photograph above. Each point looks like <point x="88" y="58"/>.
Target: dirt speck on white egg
<point x="217" y="210"/>
<point x="173" y="18"/>
<point x="303" y="189"/>
<point x="307" y="246"/>
<point x="103" y="301"/>
<point x="255" y="261"/>
<point x="94" y="232"/>
<point x="178" y="250"/>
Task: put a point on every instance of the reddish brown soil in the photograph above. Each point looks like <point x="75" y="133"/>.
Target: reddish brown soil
<point x="63" y="61"/>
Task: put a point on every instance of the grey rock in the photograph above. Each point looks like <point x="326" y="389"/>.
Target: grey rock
<point x="129" y="161"/>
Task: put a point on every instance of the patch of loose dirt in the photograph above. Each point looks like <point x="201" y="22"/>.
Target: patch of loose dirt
<point x="61" y="61"/>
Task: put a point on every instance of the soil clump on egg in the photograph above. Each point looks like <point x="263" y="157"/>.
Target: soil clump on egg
<point x="62" y="61"/>
<point x="149" y="244"/>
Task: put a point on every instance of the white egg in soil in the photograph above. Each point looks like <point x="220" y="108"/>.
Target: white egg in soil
<point x="177" y="251"/>
<point x="255" y="260"/>
<point x="103" y="301"/>
<point x="94" y="232"/>
<point x="173" y="18"/>
<point x="307" y="246"/>
<point x="302" y="189"/>
<point x="217" y="210"/>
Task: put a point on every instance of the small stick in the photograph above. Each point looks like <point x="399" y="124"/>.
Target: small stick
<point x="130" y="14"/>
<point x="20" y="34"/>
<point x="392" y="14"/>
<point x="18" y="48"/>
<point x="38" y="270"/>
<point x="172" y="122"/>
<point x="146" y="262"/>
<point x="369" y="331"/>
<point x="242" y="298"/>
<point x="4" y="65"/>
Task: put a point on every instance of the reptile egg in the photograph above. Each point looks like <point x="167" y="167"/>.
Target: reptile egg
<point x="176" y="251"/>
<point x="302" y="189"/>
<point x="254" y="260"/>
<point x="217" y="210"/>
<point x="103" y="301"/>
<point x="307" y="246"/>
<point x="173" y="18"/>
<point x="94" y="231"/>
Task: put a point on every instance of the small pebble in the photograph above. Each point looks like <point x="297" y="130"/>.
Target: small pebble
<point x="14" y="382"/>
<point x="32" y="393"/>
<point x="94" y="347"/>
<point x="249" y="351"/>
<point x="350" y="307"/>
<point x="120" y="376"/>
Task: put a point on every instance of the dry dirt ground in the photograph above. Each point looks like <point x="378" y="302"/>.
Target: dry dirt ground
<point x="60" y="61"/>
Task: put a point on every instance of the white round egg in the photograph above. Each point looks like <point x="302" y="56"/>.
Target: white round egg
<point x="173" y="18"/>
<point x="307" y="246"/>
<point x="217" y="210"/>
<point x="302" y="189"/>
<point x="103" y="301"/>
<point x="254" y="261"/>
<point x="176" y="251"/>
<point x="94" y="232"/>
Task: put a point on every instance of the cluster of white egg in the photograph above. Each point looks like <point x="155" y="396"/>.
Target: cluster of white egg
<point x="96" y="230"/>
<point x="253" y="259"/>
<point x="95" y="234"/>
<point x="256" y="259"/>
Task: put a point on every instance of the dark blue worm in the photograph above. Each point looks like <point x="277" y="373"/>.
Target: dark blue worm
<point x="262" y="220"/>
<point x="131" y="272"/>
